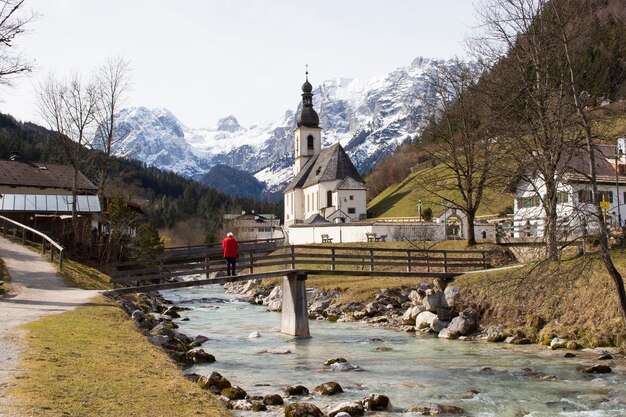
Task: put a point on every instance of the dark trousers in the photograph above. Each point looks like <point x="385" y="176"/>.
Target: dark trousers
<point x="230" y="266"/>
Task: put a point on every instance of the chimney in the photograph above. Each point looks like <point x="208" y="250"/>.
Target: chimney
<point x="15" y="156"/>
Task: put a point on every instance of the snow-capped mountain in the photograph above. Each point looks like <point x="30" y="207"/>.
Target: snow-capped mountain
<point x="370" y="118"/>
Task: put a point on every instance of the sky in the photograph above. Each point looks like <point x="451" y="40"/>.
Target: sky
<point x="207" y="59"/>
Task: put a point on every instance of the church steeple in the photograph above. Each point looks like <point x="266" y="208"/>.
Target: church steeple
<point x="307" y="117"/>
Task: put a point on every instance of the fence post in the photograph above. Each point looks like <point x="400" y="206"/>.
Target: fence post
<point x="60" y="259"/>
<point x="332" y="266"/>
<point x="23" y="236"/>
<point x="251" y="262"/>
<point x="43" y="245"/>
<point x="4" y="228"/>
<point x="408" y="261"/>
<point x="371" y="259"/>
<point x="445" y="262"/>
<point x="484" y="259"/>
<point x="293" y="257"/>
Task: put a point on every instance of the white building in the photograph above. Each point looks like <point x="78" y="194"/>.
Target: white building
<point x="252" y="226"/>
<point x="327" y="187"/>
<point x="575" y="208"/>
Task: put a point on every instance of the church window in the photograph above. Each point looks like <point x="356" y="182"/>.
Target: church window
<point x="351" y="210"/>
<point x="310" y="142"/>
<point x="329" y="198"/>
<point x="351" y="197"/>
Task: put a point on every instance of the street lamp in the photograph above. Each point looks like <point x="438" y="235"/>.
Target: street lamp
<point x="618" y="157"/>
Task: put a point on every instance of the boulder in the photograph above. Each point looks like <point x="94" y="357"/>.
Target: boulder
<point x="198" y="341"/>
<point x="605" y="357"/>
<point x="334" y="360"/>
<point x="241" y="405"/>
<point x="353" y="408"/>
<point x="254" y="335"/>
<point x="453" y="296"/>
<point x="258" y="406"/>
<point x="409" y="315"/>
<point x="344" y="367"/>
<point x="463" y="325"/>
<point x="234" y="393"/>
<point x="138" y="316"/>
<point x="433" y="409"/>
<point x="496" y="333"/>
<point x="296" y="390"/>
<point x="277" y="351"/>
<point x="597" y="369"/>
<point x="273" y="399"/>
<point x="434" y="300"/>
<point x="302" y="410"/>
<point x="159" y="340"/>
<point x="172" y="312"/>
<point x="329" y="388"/>
<point x="558" y="343"/>
<point x="274" y="300"/>
<point x="200" y="356"/>
<point x="438" y="325"/>
<point x="446" y="314"/>
<point x="214" y="382"/>
<point x="424" y="320"/>
<point x="377" y="402"/>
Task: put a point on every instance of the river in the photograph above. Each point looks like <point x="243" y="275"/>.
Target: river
<point x="411" y="370"/>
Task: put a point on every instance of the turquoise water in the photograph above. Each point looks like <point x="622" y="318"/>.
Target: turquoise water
<point x="411" y="370"/>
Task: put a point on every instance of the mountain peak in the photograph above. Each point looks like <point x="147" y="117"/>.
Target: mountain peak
<point x="228" y="124"/>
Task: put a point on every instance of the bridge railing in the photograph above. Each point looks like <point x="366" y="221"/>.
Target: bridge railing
<point x="309" y="257"/>
<point x="21" y="231"/>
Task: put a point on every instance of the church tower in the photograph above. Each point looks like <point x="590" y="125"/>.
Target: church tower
<point x="308" y="134"/>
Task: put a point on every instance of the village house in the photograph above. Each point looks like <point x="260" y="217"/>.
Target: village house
<point x="252" y="226"/>
<point x="576" y="215"/>
<point x="39" y="195"/>
<point x="327" y="187"/>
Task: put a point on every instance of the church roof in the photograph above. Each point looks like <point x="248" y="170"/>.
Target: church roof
<point x="329" y="165"/>
<point x="350" y="184"/>
<point x="315" y="219"/>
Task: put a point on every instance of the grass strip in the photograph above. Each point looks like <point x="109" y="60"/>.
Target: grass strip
<point x="93" y="361"/>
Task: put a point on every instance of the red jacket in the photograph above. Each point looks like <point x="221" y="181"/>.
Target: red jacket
<point x="230" y="247"/>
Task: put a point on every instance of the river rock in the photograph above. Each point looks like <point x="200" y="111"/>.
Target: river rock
<point x="334" y="360"/>
<point x="453" y="296"/>
<point x="277" y="351"/>
<point x="254" y="335"/>
<point x="496" y="333"/>
<point x="200" y="356"/>
<point x="558" y="343"/>
<point x="438" y="325"/>
<point x="353" y="408"/>
<point x="446" y="314"/>
<point x="463" y="325"/>
<point x="274" y="300"/>
<point x="241" y="405"/>
<point x="234" y="393"/>
<point x="214" y="382"/>
<point x="424" y="320"/>
<point x="138" y="316"/>
<point x="303" y="410"/>
<point x="172" y="312"/>
<point x="320" y="300"/>
<point x="377" y="402"/>
<point x="198" y="341"/>
<point x="605" y="357"/>
<point x="342" y="414"/>
<point x="296" y="390"/>
<point x="329" y="388"/>
<point x="273" y="399"/>
<point x="597" y="369"/>
<point x="433" y="409"/>
<point x="344" y="367"/>
<point x="434" y="300"/>
<point x="408" y="317"/>
<point x="159" y="340"/>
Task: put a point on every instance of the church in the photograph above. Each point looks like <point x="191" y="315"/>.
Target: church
<point x="327" y="188"/>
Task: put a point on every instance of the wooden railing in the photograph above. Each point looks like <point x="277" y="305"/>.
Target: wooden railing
<point x="396" y="262"/>
<point x="16" y="233"/>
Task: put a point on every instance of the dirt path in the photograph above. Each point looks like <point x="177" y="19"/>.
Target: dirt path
<point x="36" y="290"/>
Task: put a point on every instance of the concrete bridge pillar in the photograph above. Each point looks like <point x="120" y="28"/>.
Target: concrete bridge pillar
<point x="295" y="317"/>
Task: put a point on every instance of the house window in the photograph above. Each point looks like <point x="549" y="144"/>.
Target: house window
<point x="584" y="196"/>
<point x="563" y="197"/>
<point x="351" y="197"/>
<point x="351" y="210"/>
<point x="329" y="198"/>
<point x="310" y="142"/>
<point x="528" y="202"/>
<point x="605" y="196"/>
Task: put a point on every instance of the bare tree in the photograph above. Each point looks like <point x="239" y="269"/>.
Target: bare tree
<point x="12" y="24"/>
<point x="113" y="82"/>
<point x="69" y="107"/>
<point x="462" y="143"/>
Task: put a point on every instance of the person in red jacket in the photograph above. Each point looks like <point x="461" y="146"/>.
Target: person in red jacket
<point x="230" y="246"/>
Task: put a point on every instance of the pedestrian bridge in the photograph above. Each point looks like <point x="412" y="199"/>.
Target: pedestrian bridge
<point x="294" y="263"/>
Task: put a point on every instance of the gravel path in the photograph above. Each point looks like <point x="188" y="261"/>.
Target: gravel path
<point x="36" y="290"/>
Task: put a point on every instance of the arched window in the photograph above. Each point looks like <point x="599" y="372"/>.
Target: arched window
<point x="310" y="142"/>
<point x="329" y="198"/>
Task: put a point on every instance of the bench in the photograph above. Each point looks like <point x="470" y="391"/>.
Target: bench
<point x="373" y="237"/>
<point x="326" y="239"/>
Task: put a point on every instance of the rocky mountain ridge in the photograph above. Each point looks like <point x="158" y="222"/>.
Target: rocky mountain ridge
<point x="370" y="118"/>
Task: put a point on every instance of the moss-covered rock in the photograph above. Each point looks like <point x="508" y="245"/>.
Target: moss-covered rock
<point x="329" y="388"/>
<point x="214" y="382"/>
<point x="273" y="399"/>
<point x="303" y="410"/>
<point x="234" y="393"/>
<point x="296" y="390"/>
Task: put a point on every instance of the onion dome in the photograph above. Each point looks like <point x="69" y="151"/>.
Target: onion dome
<point x="307" y="116"/>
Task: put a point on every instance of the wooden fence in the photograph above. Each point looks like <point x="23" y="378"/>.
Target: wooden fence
<point x="305" y="257"/>
<point x="24" y="233"/>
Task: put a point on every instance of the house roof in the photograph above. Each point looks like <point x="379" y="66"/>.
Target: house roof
<point x="350" y="184"/>
<point x="330" y="164"/>
<point x="315" y="219"/>
<point x="605" y="165"/>
<point x="41" y="175"/>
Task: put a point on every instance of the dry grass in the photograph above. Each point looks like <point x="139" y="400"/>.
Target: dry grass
<point x="576" y="300"/>
<point x="92" y="361"/>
